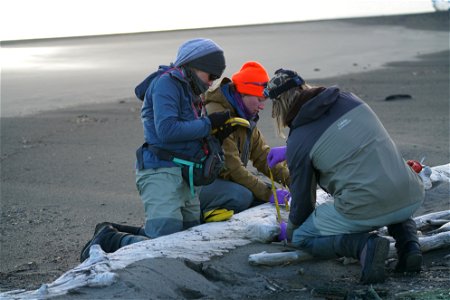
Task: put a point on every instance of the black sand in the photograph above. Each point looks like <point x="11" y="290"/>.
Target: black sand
<point x="64" y="171"/>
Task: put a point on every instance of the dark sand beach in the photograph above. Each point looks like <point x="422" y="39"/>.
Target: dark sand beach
<point x="63" y="171"/>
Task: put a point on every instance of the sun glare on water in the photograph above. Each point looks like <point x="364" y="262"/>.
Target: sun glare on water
<point x="30" y="19"/>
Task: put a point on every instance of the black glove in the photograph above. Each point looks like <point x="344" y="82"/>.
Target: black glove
<point x="218" y="127"/>
<point x="218" y="119"/>
<point x="223" y="132"/>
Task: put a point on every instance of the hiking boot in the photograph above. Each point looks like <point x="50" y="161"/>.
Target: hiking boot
<point x="409" y="259"/>
<point x="135" y="230"/>
<point x="372" y="260"/>
<point x="100" y="226"/>
<point x="101" y="231"/>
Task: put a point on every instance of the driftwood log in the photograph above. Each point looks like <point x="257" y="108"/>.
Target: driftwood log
<point x="439" y="238"/>
<point x="198" y="244"/>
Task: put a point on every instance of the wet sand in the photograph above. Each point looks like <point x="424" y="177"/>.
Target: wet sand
<point x="64" y="171"/>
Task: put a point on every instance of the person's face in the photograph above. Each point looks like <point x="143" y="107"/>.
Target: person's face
<point x="205" y="77"/>
<point x="253" y="104"/>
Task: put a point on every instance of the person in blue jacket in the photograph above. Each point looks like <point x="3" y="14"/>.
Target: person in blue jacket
<point x="173" y="119"/>
<point x="338" y="143"/>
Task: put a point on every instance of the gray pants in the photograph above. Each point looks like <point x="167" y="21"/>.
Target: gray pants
<point x="226" y="194"/>
<point x="168" y="203"/>
<point x="327" y="221"/>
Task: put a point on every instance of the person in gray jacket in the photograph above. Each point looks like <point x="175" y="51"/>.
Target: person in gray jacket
<point x="338" y="143"/>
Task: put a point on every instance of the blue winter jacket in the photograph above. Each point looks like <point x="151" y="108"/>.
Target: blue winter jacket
<point x="170" y="119"/>
<point x="169" y="115"/>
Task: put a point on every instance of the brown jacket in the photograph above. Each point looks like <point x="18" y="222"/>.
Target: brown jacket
<point x="243" y="145"/>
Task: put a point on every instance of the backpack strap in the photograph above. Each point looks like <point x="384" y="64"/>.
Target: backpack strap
<point x="179" y="159"/>
<point x="140" y="157"/>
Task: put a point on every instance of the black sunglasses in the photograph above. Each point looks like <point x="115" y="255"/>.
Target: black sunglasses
<point x="213" y="77"/>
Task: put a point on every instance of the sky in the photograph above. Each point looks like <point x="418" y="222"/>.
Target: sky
<point x="32" y="19"/>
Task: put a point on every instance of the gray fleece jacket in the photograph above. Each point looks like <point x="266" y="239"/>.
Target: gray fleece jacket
<point x="336" y="141"/>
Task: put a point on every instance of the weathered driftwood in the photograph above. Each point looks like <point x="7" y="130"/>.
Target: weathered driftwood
<point x="424" y="221"/>
<point x="435" y="241"/>
<point x="199" y="243"/>
<point x="279" y="258"/>
<point x="439" y="174"/>
<point x="429" y="219"/>
<point x="427" y="243"/>
<point x="443" y="228"/>
<point x="438" y="222"/>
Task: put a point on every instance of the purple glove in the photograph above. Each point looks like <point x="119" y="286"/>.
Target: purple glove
<point x="283" y="231"/>
<point x="276" y="155"/>
<point x="281" y="196"/>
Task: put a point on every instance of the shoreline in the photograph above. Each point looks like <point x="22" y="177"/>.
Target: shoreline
<point x="55" y="74"/>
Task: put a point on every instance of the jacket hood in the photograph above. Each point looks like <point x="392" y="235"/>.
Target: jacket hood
<point x="142" y="87"/>
<point x="223" y="95"/>
<point x="216" y="96"/>
<point x="316" y="107"/>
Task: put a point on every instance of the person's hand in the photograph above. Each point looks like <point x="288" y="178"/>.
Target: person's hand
<point x="218" y="119"/>
<point x="283" y="232"/>
<point x="282" y="196"/>
<point x="276" y="155"/>
<point x="218" y="127"/>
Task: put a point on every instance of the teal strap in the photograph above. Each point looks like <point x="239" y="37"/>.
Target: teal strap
<point x="191" y="171"/>
<point x="191" y="179"/>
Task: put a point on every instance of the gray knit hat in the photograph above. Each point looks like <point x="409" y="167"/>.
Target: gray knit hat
<point x="202" y="54"/>
<point x="283" y="81"/>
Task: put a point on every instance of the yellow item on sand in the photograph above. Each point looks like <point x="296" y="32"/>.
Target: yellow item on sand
<point x="235" y="122"/>
<point x="218" y="215"/>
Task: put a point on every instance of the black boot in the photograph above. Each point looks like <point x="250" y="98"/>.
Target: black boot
<point x="372" y="259"/>
<point x="123" y="228"/>
<point x="107" y="237"/>
<point x="370" y="250"/>
<point x="407" y="245"/>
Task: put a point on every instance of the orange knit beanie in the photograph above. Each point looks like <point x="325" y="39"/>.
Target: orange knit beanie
<point x="251" y="79"/>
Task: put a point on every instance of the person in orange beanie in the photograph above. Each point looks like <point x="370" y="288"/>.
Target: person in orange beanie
<point x="238" y="188"/>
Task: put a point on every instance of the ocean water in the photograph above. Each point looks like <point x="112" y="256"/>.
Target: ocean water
<point x="55" y="19"/>
<point x="29" y="19"/>
<point x="38" y="74"/>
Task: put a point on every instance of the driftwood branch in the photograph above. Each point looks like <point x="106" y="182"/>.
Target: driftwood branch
<point x="424" y="221"/>
<point x="429" y="219"/>
<point x="439" y="238"/>
<point x="435" y="241"/>
<point x="280" y="258"/>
